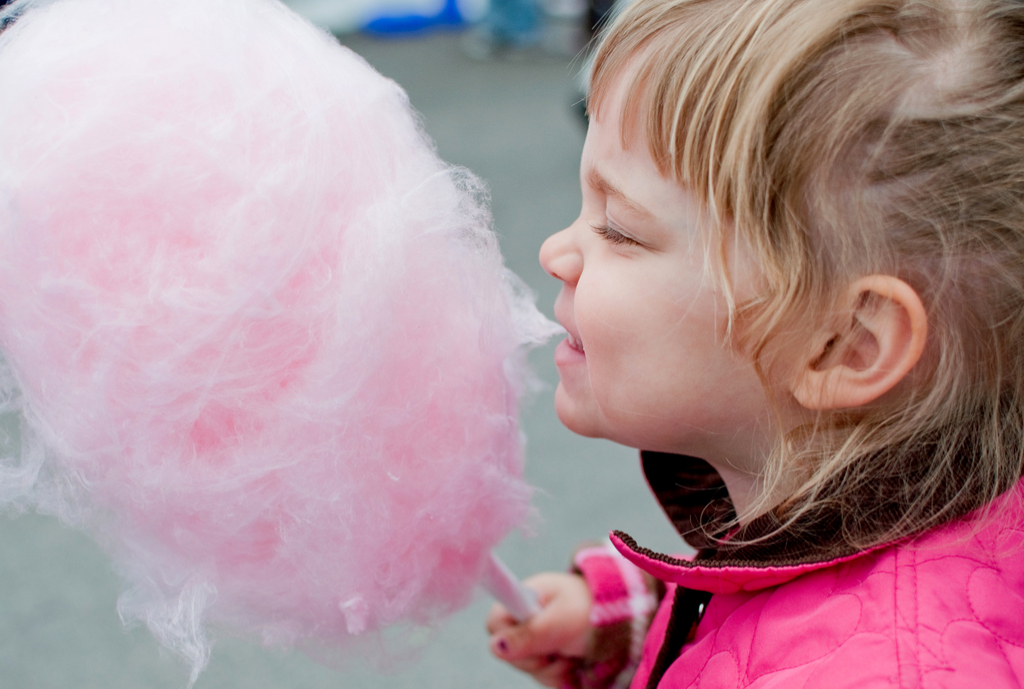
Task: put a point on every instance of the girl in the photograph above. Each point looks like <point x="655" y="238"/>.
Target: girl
<point x="797" y="284"/>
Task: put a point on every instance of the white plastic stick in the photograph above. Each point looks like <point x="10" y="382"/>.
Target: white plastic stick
<point x="499" y="581"/>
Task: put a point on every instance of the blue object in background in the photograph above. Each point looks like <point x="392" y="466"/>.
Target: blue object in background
<point x="405" y="24"/>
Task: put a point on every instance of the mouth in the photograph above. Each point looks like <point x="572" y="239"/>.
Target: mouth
<point x="575" y="343"/>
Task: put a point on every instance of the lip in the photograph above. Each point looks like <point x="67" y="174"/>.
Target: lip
<point x="566" y="354"/>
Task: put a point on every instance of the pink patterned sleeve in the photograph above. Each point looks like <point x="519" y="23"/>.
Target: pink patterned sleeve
<point x="625" y="599"/>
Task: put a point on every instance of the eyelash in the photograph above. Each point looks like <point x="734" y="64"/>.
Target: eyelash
<point x="613" y="236"/>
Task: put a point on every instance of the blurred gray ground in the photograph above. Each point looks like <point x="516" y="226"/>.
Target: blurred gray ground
<point x="512" y="123"/>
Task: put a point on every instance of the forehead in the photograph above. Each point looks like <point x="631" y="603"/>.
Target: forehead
<point x="618" y="106"/>
<point x="627" y="184"/>
<point x="615" y="152"/>
<point x="626" y="95"/>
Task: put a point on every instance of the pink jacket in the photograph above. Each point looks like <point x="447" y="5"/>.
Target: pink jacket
<point x="945" y="609"/>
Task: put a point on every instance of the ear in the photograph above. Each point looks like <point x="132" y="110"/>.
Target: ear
<point x="870" y="350"/>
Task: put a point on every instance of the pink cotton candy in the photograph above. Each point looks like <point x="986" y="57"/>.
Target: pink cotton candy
<point x="259" y="337"/>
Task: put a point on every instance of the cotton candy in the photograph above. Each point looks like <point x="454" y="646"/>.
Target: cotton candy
<point x="258" y="338"/>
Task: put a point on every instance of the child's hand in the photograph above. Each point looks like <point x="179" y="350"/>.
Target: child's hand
<point x="546" y="645"/>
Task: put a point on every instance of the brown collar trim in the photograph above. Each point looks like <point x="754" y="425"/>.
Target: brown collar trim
<point x="697" y="503"/>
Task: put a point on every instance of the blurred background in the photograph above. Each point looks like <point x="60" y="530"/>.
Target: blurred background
<point x="504" y="102"/>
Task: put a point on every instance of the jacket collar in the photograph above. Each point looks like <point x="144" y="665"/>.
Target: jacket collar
<point x="694" y="498"/>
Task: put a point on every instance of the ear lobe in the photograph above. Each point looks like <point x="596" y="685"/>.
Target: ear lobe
<point x="871" y="351"/>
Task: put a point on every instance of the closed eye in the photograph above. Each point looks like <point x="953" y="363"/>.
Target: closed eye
<point x="613" y="236"/>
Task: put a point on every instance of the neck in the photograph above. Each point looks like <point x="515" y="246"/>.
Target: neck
<point x="745" y="490"/>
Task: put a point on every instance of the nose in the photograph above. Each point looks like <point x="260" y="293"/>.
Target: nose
<point x="561" y="258"/>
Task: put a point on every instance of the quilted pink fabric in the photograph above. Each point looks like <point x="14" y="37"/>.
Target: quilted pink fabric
<point x="943" y="610"/>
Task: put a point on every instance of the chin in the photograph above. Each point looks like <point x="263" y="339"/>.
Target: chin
<point x="585" y="419"/>
<point x="576" y="417"/>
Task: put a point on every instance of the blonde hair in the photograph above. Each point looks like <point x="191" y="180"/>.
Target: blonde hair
<point x="841" y="138"/>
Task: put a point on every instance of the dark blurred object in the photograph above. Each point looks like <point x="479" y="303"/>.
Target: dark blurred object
<point x="598" y="14"/>
<point x="10" y="18"/>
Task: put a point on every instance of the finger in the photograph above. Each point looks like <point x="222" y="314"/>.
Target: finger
<point x="554" y="674"/>
<point x="534" y="639"/>
<point x="551" y="671"/>
<point x="498" y="619"/>
<point x="533" y="664"/>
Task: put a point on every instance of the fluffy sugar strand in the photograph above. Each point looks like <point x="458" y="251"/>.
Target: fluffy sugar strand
<point x="258" y="338"/>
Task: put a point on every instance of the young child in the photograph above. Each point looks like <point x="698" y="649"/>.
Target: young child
<point x="797" y="285"/>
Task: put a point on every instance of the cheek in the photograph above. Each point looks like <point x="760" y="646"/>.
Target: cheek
<point x="606" y="316"/>
<point x="647" y="348"/>
<point x="607" y="324"/>
<point x="627" y="340"/>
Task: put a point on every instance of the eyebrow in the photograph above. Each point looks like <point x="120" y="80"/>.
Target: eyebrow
<point x="606" y="188"/>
